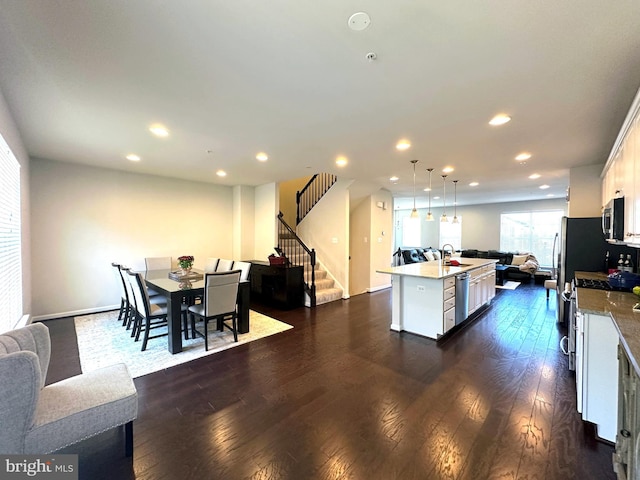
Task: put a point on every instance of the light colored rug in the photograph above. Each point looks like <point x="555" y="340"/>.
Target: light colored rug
<point x="103" y="341"/>
<point x="509" y="285"/>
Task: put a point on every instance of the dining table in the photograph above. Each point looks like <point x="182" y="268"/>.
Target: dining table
<point x="187" y="290"/>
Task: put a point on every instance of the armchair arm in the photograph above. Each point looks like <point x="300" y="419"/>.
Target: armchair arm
<point x="20" y="378"/>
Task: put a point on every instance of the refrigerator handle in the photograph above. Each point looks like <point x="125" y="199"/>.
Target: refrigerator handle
<point x="565" y="349"/>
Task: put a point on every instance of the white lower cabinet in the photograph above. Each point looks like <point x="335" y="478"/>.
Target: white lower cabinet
<point x="449" y="319"/>
<point x="596" y="372"/>
<point x="626" y="457"/>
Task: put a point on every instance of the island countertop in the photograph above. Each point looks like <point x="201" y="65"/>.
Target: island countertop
<point x="434" y="269"/>
<point x="619" y="305"/>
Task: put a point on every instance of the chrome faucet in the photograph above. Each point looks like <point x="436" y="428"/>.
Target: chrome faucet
<point x="446" y="255"/>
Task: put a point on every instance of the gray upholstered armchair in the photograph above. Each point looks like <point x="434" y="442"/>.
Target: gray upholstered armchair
<point x="39" y="419"/>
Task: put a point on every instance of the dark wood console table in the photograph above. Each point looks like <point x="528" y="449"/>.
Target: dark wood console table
<point x="278" y="286"/>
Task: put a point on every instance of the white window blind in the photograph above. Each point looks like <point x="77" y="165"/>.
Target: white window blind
<point x="10" y="252"/>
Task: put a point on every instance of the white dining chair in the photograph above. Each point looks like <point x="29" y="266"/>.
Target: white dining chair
<point x="157" y="263"/>
<point x="224" y="265"/>
<point x="244" y="268"/>
<point x="211" y="264"/>
<point x="219" y="303"/>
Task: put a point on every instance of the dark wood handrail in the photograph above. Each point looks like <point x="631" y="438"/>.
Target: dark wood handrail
<point x="298" y="254"/>
<point x="312" y="192"/>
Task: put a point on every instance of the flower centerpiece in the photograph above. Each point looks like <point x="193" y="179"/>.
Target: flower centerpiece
<point x="185" y="262"/>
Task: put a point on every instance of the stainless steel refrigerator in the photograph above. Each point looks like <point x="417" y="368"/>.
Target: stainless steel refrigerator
<point x="583" y="247"/>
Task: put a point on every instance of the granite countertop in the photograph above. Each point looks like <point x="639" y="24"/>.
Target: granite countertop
<point x="620" y="306"/>
<point x="434" y="269"/>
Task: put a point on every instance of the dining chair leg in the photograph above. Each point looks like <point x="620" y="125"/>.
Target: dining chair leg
<point x="145" y="339"/>
<point x="185" y="324"/>
<point x="121" y="313"/>
<point x="235" y="327"/>
<point x="206" y="336"/>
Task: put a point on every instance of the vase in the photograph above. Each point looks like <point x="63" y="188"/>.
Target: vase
<point x="186" y="271"/>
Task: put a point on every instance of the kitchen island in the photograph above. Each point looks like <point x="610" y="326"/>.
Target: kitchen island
<point x="424" y="294"/>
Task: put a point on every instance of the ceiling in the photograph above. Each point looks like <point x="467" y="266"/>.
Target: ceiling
<point x="85" y="80"/>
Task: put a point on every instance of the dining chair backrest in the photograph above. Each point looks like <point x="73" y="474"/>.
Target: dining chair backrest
<point x="221" y="292"/>
<point x="158" y="263"/>
<point x="224" y="265"/>
<point x="128" y="284"/>
<point x="121" y="280"/>
<point x="244" y="268"/>
<point x="140" y="294"/>
<point x="211" y="265"/>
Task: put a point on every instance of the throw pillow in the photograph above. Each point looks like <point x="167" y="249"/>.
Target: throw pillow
<point x="429" y="255"/>
<point x="519" y="259"/>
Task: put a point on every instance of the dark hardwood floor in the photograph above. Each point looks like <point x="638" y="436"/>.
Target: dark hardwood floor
<point x="341" y="396"/>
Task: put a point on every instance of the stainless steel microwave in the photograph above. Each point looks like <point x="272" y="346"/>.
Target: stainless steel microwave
<point x="613" y="219"/>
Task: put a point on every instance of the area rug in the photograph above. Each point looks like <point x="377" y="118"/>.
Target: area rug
<point x="103" y="341"/>
<point x="509" y="285"/>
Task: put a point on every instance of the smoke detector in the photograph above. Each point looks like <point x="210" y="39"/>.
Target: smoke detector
<point x="359" y="21"/>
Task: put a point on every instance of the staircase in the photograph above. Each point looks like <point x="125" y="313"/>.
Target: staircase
<point x="319" y="286"/>
<point x="326" y="291"/>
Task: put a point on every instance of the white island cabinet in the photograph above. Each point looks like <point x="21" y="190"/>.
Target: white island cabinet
<point x="424" y="294"/>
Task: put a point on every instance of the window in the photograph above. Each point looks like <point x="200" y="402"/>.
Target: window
<point x="451" y="233"/>
<point x="10" y="253"/>
<point x="411" y="232"/>
<point x="531" y="232"/>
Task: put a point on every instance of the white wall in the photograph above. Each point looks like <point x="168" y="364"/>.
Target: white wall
<point x="326" y="228"/>
<point x="287" y="198"/>
<point x="10" y="133"/>
<point x="83" y="218"/>
<point x="585" y="187"/>
<point x="243" y="222"/>
<point x="360" y="247"/>
<point x="480" y="223"/>
<point x="381" y="239"/>
<point x="266" y="211"/>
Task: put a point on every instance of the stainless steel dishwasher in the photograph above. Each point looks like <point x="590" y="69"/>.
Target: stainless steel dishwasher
<point x="462" y="297"/>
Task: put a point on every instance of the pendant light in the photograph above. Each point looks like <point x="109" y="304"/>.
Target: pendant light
<point x="444" y="218"/>
<point x="455" y="202"/>
<point x="429" y="214"/>
<point x="414" y="212"/>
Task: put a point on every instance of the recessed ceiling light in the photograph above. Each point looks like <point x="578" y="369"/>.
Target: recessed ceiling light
<point x="436" y="198"/>
<point x="221" y="173"/>
<point x="550" y="195"/>
<point x="427" y="189"/>
<point x="341" y="161"/>
<point x="393" y="179"/>
<point x="403" y="144"/>
<point x="447" y="169"/>
<point x="263" y="157"/>
<point x="523" y="156"/>
<point x="133" y="157"/>
<point x="474" y="184"/>
<point x="544" y="187"/>
<point x="500" y="119"/>
<point x="534" y="176"/>
<point x="159" y="130"/>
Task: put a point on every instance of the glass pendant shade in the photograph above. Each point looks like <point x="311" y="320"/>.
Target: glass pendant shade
<point x="455" y="202"/>
<point x="429" y="214"/>
<point x="414" y="212"/>
<point x="444" y="218"/>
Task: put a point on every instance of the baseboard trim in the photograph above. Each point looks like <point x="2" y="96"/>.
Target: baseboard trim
<point x="377" y="289"/>
<point x="74" y="313"/>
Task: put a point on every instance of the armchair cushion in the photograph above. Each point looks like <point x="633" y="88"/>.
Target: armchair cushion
<point x="39" y="419"/>
<point x="82" y="406"/>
